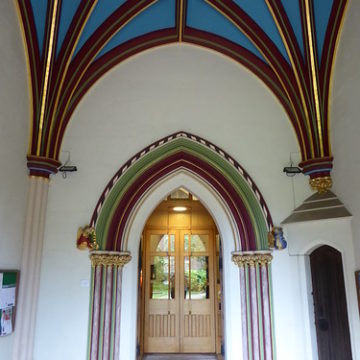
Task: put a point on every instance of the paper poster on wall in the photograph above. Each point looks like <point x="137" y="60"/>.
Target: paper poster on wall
<point x="6" y="321"/>
<point x="8" y="286"/>
<point x="7" y="297"/>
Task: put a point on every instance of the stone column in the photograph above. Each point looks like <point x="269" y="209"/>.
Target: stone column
<point x="30" y="268"/>
<point x="256" y="309"/>
<point x="105" y="305"/>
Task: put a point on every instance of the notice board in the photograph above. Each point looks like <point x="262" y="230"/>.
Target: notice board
<point x="9" y="284"/>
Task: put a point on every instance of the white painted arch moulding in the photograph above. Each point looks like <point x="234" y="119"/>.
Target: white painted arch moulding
<point x="229" y="237"/>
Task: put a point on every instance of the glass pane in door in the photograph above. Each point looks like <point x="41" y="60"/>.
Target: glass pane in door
<point x="159" y="243"/>
<point x="199" y="278"/>
<point x="199" y="243"/>
<point x="196" y="277"/>
<point x="162" y="277"/>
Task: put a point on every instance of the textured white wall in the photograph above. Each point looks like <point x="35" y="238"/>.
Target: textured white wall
<point x="157" y="93"/>
<point x="345" y="122"/>
<point x="14" y="119"/>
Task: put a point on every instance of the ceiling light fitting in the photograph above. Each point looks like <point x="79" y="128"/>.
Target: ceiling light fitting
<point x="180" y="208"/>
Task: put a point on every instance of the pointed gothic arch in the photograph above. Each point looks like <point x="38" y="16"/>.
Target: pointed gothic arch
<point x="243" y="219"/>
<point x="198" y="156"/>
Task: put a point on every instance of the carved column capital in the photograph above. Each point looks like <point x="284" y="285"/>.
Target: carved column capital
<point x="109" y="258"/>
<point x="251" y="258"/>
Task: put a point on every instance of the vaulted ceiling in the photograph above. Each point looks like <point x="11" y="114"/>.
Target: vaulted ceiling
<point x="288" y="44"/>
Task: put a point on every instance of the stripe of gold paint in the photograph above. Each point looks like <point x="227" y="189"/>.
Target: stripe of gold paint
<point x="285" y="43"/>
<point x="181" y="20"/>
<point x="89" y="63"/>
<point x="30" y="87"/>
<point x="47" y="71"/>
<point x="64" y="73"/>
<point x="337" y="38"/>
<point x="313" y="74"/>
<point x="269" y="62"/>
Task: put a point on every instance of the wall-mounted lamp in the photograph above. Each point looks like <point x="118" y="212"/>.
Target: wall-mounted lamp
<point x="67" y="167"/>
<point x="292" y="170"/>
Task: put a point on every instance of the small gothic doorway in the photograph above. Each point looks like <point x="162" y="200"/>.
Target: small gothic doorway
<point x="331" y="317"/>
<point x="180" y="279"/>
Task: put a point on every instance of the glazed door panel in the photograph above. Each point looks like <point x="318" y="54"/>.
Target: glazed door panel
<point x="179" y="292"/>
<point x="161" y="323"/>
<point x="197" y="304"/>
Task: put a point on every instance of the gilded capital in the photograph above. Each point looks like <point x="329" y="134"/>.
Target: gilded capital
<point x="109" y="258"/>
<point x="321" y="184"/>
<point x="251" y="259"/>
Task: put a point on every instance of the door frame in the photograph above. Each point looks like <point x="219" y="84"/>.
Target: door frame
<point x="231" y="278"/>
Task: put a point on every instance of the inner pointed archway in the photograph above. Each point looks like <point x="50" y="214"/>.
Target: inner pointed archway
<point x="228" y="234"/>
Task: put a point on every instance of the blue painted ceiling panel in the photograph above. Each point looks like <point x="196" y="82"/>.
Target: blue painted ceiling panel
<point x="201" y="16"/>
<point x="322" y="10"/>
<point x="39" y="9"/>
<point x="159" y="16"/>
<point x="102" y="11"/>
<point x="292" y="9"/>
<point x="68" y="9"/>
<point x="259" y="12"/>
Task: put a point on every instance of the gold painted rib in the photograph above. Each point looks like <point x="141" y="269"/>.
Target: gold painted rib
<point x="294" y="70"/>
<point x="47" y="71"/>
<point x="313" y="74"/>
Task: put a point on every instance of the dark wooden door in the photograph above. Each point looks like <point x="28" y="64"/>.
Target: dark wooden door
<point x="331" y="318"/>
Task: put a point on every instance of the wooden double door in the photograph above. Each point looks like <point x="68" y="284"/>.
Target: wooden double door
<point x="179" y="292"/>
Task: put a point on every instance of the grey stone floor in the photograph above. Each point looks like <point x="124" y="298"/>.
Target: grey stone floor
<point x="180" y="357"/>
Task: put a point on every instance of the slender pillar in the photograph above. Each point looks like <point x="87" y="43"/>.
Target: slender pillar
<point x="30" y="268"/>
<point x="105" y="309"/>
<point x="255" y="280"/>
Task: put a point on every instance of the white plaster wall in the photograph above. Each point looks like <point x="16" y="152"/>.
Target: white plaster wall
<point x="303" y="238"/>
<point x="345" y="120"/>
<point x="13" y="139"/>
<point x="157" y="93"/>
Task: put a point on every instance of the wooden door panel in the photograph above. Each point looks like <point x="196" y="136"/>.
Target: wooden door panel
<point x="331" y="318"/>
<point x="198" y="307"/>
<point x="161" y="325"/>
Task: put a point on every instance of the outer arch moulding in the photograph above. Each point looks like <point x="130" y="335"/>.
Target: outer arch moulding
<point x="224" y="174"/>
